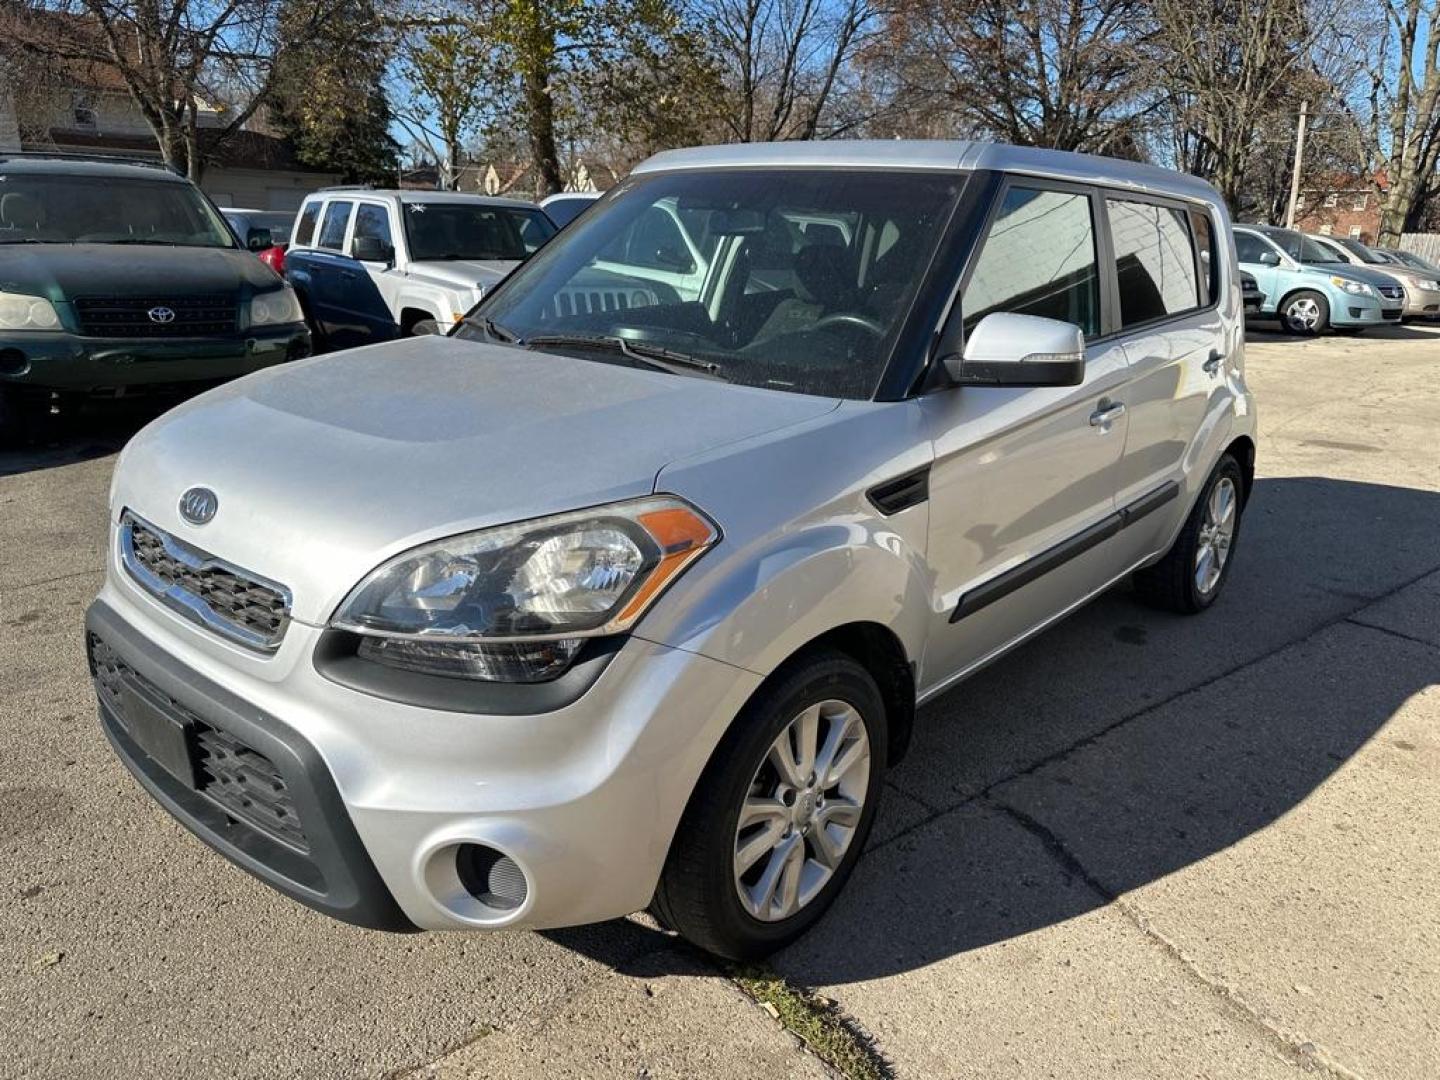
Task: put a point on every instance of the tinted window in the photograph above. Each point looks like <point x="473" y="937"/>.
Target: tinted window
<point x="332" y="230"/>
<point x="564" y="211"/>
<point x="63" y="209"/>
<point x="1039" y="259"/>
<point x="372" y="221"/>
<point x="814" y="314"/>
<point x="1204" y="231"/>
<point x="1154" y="262"/>
<point x="1249" y="247"/>
<point x="305" y="230"/>
<point x="439" y="231"/>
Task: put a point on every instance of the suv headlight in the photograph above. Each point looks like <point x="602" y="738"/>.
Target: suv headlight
<point x="514" y="603"/>
<point x="275" y="308"/>
<point x="1354" y="288"/>
<point x="21" y="312"/>
<point x="1429" y="285"/>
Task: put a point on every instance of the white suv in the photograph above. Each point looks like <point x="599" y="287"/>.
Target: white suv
<point x="369" y="264"/>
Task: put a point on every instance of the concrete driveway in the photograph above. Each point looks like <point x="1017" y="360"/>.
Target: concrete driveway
<point x="1142" y="846"/>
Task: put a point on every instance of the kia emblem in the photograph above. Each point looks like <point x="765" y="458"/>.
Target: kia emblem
<point x="198" y="505"/>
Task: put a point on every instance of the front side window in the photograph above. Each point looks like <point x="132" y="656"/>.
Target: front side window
<point x="1249" y="247"/>
<point x="1038" y="259"/>
<point x="73" y="209"/>
<point x="1154" y="262"/>
<point x="332" y="229"/>
<point x="443" y="231"/>
<point x="372" y="222"/>
<point x="808" y="274"/>
<point x="305" y="228"/>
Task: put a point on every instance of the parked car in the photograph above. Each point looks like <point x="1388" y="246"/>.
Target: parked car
<point x="1306" y="288"/>
<point x="370" y="265"/>
<point x="1422" y="288"/>
<point x="582" y="609"/>
<point x="265" y="232"/>
<point x="1410" y="259"/>
<point x="1251" y="298"/>
<point x="567" y="206"/>
<point x="122" y="278"/>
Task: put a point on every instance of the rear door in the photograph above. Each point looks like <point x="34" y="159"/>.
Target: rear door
<point x="1022" y="491"/>
<point x="331" y="272"/>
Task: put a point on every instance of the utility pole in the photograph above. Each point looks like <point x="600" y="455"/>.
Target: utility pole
<point x="1299" y="160"/>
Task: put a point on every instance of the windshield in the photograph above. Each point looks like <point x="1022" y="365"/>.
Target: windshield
<point x="60" y="209"/>
<point x="1415" y="262"/>
<point x="1359" y="249"/>
<point x="798" y="280"/>
<point x="439" y="231"/>
<point x="1301" y="248"/>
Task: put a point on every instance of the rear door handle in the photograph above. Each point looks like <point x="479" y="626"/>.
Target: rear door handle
<point x="1212" y="365"/>
<point x="1107" y="413"/>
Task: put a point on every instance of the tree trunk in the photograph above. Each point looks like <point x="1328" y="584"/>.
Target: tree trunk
<point x="540" y="123"/>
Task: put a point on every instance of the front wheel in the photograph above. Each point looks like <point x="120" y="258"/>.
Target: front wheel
<point x="1189" y="577"/>
<point x="1305" y="312"/>
<point x="781" y="813"/>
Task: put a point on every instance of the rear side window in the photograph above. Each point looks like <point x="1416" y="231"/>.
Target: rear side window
<point x="1154" y="261"/>
<point x="1038" y="259"/>
<point x="305" y="228"/>
<point x="1204" y="232"/>
<point x="332" y="229"/>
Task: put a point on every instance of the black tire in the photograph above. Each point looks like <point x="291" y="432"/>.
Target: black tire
<point x="697" y="894"/>
<point x="1170" y="583"/>
<point x="1304" y="296"/>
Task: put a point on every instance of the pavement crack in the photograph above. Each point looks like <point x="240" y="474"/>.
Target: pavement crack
<point x="1393" y="633"/>
<point x="24" y="585"/>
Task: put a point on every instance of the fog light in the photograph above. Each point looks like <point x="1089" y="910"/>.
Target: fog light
<point x="490" y="877"/>
<point x="13" y="362"/>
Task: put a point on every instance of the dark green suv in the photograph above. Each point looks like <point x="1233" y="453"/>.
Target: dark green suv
<point x="119" y="278"/>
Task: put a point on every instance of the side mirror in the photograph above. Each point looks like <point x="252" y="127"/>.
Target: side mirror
<point x="257" y="239"/>
<point x="427" y="326"/>
<point x="1269" y="258"/>
<point x="1006" y="349"/>
<point x="372" y="249"/>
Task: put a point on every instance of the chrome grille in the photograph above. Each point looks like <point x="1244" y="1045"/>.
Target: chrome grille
<point x="232" y="603"/>
<point x="240" y="780"/>
<point x="129" y="316"/>
<point x="1392" y="292"/>
<point x="595" y="301"/>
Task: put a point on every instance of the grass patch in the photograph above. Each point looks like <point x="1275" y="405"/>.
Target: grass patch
<point x="817" y="1022"/>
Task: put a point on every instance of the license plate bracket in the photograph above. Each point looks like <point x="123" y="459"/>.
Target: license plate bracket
<point x="161" y="737"/>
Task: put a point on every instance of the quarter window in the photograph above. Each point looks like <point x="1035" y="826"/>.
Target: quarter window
<point x="305" y="229"/>
<point x="332" y="229"/>
<point x="1039" y="259"/>
<point x="1154" y="261"/>
<point x="1209" y="262"/>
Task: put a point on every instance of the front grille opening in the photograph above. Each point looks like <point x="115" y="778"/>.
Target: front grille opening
<point x="258" y="610"/>
<point x="131" y="316"/>
<point x="243" y="782"/>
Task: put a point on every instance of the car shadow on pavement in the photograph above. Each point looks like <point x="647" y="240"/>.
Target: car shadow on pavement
<point x="1157" y="739"/>
<point x="91" y="433"/>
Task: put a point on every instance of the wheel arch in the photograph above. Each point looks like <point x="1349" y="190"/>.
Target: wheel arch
<point x="1242" y="448"/>
<point x="410" y="314"/>
<point x="1316" y="289"/>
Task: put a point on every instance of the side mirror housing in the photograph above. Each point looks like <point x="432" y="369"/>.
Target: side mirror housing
<point x="1006" y="349"/>
<point x="257" y="239"/>
<point x="1269" y="258"/>
<point x="372" y="249"/>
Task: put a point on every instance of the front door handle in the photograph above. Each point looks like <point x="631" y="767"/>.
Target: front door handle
<point x="1106" y="413"/>
<point x="1212" y="365"/>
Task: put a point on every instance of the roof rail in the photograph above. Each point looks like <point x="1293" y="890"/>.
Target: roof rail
<point x="348" y="187"/>
<point x="80" y="155"/>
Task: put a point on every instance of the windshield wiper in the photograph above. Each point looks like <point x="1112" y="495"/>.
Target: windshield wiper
<point x="491" y="329"/>
<point x="655" y="356"/>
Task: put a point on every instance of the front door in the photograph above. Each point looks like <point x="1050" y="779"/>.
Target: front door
<point x="1022" y="492"/>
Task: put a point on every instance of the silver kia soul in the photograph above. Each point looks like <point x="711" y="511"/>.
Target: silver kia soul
<point x="624" y="592"/>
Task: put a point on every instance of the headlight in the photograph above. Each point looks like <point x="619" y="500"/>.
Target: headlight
<point x="1354" y="288"/>
<point x="21" y="312"/>
<point x="275" y="308"/>
<point x="1428" y="285"/>
<point x="514" y="603"/>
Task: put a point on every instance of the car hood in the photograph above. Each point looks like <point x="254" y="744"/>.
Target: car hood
<point x="327" y="467"/>
<point x="65" y="271"/>
<point x="1354" y="272"/>
<point x="464" y="273"/>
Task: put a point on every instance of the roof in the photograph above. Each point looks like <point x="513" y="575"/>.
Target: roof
<point x="243" y="149"/>
<point x="61" y="166"/>
<point x="955" y="155"/>
<point x="409" y="195"/>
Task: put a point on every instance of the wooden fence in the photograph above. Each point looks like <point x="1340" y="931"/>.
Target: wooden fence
<point x="1426" y="245"/>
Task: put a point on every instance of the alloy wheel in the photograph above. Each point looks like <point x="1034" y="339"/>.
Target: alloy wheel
<point x="1217" y="533"/>
<point x="801" y="810"/>
<point x="1303" y="314"/>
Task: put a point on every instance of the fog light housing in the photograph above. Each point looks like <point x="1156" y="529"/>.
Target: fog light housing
<point x="490" y="876"/>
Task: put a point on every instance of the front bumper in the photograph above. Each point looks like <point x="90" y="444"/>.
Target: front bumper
<point x="583" y="798"/>
<point x="1348" y="310"/>
<point x="1421" y="303"/>
<point x="72" y="363"/>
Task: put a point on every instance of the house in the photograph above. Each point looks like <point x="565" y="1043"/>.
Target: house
<point x="1341" y="206"/>
<point x="80" y="107"/>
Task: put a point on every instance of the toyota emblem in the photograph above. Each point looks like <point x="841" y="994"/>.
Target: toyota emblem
<point x="161" y="315"/>
<point x="198" y="505"/>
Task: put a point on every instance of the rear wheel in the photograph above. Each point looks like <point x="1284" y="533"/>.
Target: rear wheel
<point x="1189" y="577"/>
<point x="781" y="814"/>
<point x="1305" y="312"/>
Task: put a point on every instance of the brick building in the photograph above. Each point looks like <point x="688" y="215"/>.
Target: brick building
<point x="1341" y="206"/>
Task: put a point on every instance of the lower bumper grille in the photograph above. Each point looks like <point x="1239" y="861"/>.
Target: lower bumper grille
<point x="240" y="780"/>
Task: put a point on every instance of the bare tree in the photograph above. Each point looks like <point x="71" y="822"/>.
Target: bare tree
<point x="174" y="56"/>
<point x="447" y="66"/>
